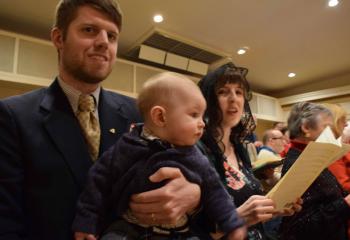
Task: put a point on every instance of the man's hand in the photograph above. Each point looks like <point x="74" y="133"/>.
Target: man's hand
<point x="83" y="236"/>
<point x="166" y="205"/>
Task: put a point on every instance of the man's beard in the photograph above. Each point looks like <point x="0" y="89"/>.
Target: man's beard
<point x="80" y="73"/>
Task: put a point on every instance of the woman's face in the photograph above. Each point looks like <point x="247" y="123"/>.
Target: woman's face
<point x="323" y="121"/>
<point x="231" y="102"/>
<point x="341" y="124"/>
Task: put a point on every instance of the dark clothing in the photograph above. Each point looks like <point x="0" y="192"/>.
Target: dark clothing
<point x="124" y="170"/>
<point x="123" y="230"/>
<point x="44" y="160"/>
<point x="324" y="214"/>
<point x="240" y="184"/>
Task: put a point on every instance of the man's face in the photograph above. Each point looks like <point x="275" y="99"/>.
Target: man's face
<point x="276" y="141"/>
<point x="88" y="52"/>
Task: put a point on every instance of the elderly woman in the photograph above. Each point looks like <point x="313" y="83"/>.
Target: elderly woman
<point x="228" y="121"/>
<point x="326" y="206"/>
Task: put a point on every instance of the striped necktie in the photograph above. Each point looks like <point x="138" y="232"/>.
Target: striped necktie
<point x="89" y="124"/>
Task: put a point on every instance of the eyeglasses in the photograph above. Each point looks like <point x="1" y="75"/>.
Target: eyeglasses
<point x="274" y="138"/>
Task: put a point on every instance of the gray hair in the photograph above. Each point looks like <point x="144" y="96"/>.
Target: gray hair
<point x="304" y="113"/>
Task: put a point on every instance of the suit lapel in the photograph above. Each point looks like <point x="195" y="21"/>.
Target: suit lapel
<point x="64" y="130"/>
<point x="112" y="121"/>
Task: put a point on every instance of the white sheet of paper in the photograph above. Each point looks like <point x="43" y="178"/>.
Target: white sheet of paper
<point x="316" y="156"/>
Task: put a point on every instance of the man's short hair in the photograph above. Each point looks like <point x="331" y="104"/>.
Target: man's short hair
<point x="66" y="12"/>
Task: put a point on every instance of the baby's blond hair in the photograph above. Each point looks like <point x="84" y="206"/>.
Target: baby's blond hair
<point x="163" y="89"/>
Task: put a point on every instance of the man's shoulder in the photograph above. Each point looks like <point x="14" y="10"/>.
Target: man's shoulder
<point x="24" y="100"/>
<point x="266" y="150"/>
<point x="115" y="95"/>
<point x="125" y="104"/>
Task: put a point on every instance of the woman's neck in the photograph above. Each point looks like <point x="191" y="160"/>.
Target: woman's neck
<point x="226" y="137"/>
<point x="228" y="150"/>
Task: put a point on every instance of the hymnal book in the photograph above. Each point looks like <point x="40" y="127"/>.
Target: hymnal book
<point x="312" y="161"/>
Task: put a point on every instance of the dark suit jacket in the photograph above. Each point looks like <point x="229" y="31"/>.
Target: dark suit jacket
<point x="44" y="159"/>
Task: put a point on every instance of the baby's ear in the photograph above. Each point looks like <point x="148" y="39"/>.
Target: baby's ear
<point x="158" y="116"/>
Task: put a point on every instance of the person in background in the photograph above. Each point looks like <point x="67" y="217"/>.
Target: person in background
<point x="326" y="206"/>
<point x="273" y="142"/>
<point x="273" y="145"/>
<point x="252" y="144"/>
<point x="49" y="138"/>
<point x="279" y="125"/>
<point x="286" y="139"/>
<point x="340" y="168"/>
<point x="264" y="170"/>
<point x="228" y="121"/>
<point x="173" y="123"/>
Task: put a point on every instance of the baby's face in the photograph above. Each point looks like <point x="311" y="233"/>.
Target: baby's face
<point x="185" y="119"/>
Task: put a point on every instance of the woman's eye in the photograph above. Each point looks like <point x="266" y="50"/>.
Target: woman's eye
<point x="222" y="92"/>
<point x="239" y="92"/>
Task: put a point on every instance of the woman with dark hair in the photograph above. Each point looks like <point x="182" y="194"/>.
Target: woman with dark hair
<point x="228" y="121"/>
<point x="326" y="206"/>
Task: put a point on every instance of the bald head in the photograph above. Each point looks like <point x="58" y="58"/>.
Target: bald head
<point x="168" y="90"/>
<point x="273" y="138"/>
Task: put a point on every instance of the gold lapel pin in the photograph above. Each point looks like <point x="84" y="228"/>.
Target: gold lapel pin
<point x="112" y="130"/>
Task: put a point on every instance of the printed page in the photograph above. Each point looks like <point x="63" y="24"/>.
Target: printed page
<point x="315" y="157"/>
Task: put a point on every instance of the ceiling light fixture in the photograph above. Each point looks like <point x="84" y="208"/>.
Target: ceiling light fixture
<point x="158" y="18"/>
<point x="242" y="50"/>
<point x="333" y="3"/>
<point x="291" y="75"/>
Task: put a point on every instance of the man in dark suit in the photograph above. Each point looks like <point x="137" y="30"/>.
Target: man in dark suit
<point x="44" y="155"/>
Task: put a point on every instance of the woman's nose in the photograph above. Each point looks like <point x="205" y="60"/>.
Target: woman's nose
<point x="232" y="96"/>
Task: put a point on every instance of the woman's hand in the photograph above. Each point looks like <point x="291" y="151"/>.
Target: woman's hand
<point x="256" y="209"/>
<point x="297" y="206"/>
<point x="347" y="199"/>
<point x="166" y="205"/>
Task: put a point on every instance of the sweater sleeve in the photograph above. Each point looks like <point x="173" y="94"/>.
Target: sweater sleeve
<point x="94" y="201"/>
<point x="218" y="205"/>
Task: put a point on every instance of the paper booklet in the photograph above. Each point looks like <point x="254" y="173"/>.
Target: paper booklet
<point x="313" y="160"/>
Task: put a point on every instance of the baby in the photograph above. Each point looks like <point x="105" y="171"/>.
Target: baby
<point x="172" y="107"/>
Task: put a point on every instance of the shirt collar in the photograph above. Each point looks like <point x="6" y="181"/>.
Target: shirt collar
<point x="73" y="94"/>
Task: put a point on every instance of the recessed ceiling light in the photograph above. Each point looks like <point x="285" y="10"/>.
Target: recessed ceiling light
<point x="158" y="18"/>
<point x="333" y="3"/>
<point x="291" y="75"/>
<point x="242" y="50"/>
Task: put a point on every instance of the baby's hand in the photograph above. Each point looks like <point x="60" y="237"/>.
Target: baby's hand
<point x="84" y="236"/>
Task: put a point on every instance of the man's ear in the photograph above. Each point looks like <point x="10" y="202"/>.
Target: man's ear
<point x="158" y="116"/>
<point x="57" y="38"/>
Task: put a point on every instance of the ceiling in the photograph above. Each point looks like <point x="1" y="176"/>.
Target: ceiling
<point x="305" y="37"/>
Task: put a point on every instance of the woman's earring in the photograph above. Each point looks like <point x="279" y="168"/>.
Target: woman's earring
<point x="307" y="135"/>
